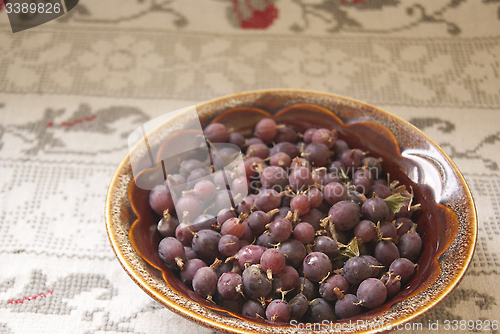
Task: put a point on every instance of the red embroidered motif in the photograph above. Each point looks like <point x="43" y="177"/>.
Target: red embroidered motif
<point x="76" y="121"/>
<point x="20" y="301"/>
<point x="354" y="2"/>
<point x="259" y="19"/>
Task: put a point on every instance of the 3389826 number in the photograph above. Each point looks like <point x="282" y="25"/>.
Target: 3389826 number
<point x="471" y="325"/>
<point x="41" y="8"/>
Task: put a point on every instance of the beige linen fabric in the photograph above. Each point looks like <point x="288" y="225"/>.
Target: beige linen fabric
<point x="73" y="89"/>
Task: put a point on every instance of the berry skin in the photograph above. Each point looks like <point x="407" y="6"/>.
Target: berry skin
<point x="266" y="241"/>
<point x="339" y="147"/>
<point x="229" y="285"/>
<point x="281" y="159"/>
<point x="317" y="175"/>
<point x="258" y="221"/>
<point x="375" y="209"/>
<point x="246" y="205"/>
<point x="272" y="261"/>
<point x="216" y="133"/>
<point x="206" y="244"/>
<point x="315" y="198"/>
<point x="317" y="266"/>
<point x="189" y="206"/>
<point x="392" y="284"/>
<point x="265" y="129"/>
<point x="188" y="166"/>
<point x="304" y="232"/>
<point x="258" y="150"/>
<point x="267" y="200"/>
<point x="190" y="253"/>
<point x="253" y="309"/>
<point x="330" y="177"/>
<point x="167" y="225"/>
<point x="204" y="222"/>
<point x="374" y="166"/>
<point x="308" y="288"/>
<point x="386" y="252"/>
<point x="229" y="245"/>
<point x="308" y="135"/>
<point x="313" y="217"/>
<point x="301" y="204"/>
<point x="365" y="230"/>
<point x="237" y="139"/>
<point x="233" y="226"/>
<point x="333" y="288"/>
<point x="372" y="293"/>
<point x="280" y="229"/>
<point x="204" y="190"/>
<point x="274" y="177"/>
<point x="356" y="270"/>
<point x="324" y="136"/>
<point x="250" y="254"/>
<point x="287" y="279"/>
<point x="250" y="167"/>
<point x="317" y="154"/>
<point x="248" y="236"/>
<point x="195" y="176"/>
<point x="381" y="190"/>
<point x="351" y="160"/>
<point x="286" y="135"/>
<point x="278" y="311"/>
<point x="190" y="269"/>
<point x="326" y="245"/>
<point x="205" y="282"/>
<point x="255" y="283"/>
<point x="171" y="251"/>
<point x="224" y="215"/>
<point x="404" y="268"/>
<point x="410" y="245"/>
<point x="374" y="264"/>
<point x="294" y="251"/>
<point x="300" y="162"/>
<point x="348" y="307"/>
<point x="290" y="149"/>
<point x="184" y="233"/>
<point x="363" y="181"/>
<point x="334" y="192"/>
<point x="321" y="311"/>
<point x="254" y="140"/>
<point x="300" y="179"/>
<point x="345" y="215"/>
<point x="160" y="199"/>
<point x="388" y="229"/>
<point x="240" y="185"/>
<point x="403" y="225"/>
<point x="299" y="305"/>
<point x="221" y="177"/>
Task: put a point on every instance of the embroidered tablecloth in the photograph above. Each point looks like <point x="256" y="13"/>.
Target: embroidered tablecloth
<point x="73" y="89"/>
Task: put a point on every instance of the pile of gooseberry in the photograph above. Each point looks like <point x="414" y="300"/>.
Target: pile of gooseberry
<point x="317" y="232"/>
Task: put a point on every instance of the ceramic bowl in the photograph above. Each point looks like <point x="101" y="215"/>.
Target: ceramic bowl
<point x="446" y="222"/>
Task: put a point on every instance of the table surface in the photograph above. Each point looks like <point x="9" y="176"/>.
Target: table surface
<point x="73" y="89"/>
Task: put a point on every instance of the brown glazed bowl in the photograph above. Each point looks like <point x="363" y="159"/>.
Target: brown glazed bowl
<point x="446" y="222"/>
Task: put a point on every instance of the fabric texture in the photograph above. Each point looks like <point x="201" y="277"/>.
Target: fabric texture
<point x="73" y="89"/>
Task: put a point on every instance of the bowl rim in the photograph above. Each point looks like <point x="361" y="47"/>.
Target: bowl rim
<point x="193" y="316"/>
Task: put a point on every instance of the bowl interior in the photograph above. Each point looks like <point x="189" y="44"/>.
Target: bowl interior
<point x="446" y="221"/>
